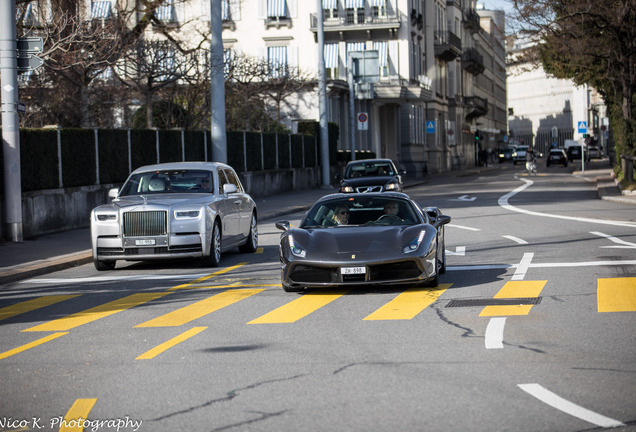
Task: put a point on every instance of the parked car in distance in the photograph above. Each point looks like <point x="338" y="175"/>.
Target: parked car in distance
<point x="371" y="175"/>
<point x="557" y="157"/>
<point x="594" y="153"/>
<point x="363" y="239"/>
<point x="519" y="155"/>
<point x="168" y="210"/>
<point x="506" y="154"/>
<point x="576" y="153"/>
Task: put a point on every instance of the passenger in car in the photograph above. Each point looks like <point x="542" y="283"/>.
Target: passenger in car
<point x="341" y="215"/>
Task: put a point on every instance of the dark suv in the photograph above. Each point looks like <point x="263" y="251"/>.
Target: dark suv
<point x="371" y="175"/>
<point x="576" y="152"/>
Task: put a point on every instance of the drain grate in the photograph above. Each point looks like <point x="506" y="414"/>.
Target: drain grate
<point x="494" y="302"/>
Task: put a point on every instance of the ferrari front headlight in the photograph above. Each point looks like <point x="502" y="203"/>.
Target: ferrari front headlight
<point x="296" y="250"/>
<point x="414" y="244"/>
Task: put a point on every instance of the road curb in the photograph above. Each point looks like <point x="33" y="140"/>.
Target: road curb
<point x="21" y="272"/>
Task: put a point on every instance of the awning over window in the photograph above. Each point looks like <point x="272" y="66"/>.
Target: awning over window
<point x="378" y="3"/>
<point x="355" y="46"/>
<point x="277" y="59"/>
<point x="331" y="55"/>
<point x="165" y="12"/>
<point x="330" y="4"/>
<point x="381" y="47"/>
<point x="225" y="10"/>
<point x="354" y="4"/>
<point x="276" y="8"/>
<point x="100" y="9"/>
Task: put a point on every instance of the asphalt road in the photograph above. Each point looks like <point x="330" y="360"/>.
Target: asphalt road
<point x="531" y="329"/>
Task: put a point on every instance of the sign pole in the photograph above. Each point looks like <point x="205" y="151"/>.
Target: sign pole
<point x="10" y="122"/>
<point x="351" y="107"/>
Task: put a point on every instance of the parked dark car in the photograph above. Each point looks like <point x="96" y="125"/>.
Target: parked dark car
<point x="371" y="175"/>
<point x="557" y="157"/>
<point x="576" y="153"/>
<point x="363" y="239"/>
<point x="594" y="153"/>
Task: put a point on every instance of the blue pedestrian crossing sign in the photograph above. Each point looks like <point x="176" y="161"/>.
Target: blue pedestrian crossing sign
<point x="582" y="127"/>
<point x="430" y="127"/>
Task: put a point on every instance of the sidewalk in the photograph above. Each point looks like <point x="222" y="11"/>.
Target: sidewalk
<point x="53" y="252"/>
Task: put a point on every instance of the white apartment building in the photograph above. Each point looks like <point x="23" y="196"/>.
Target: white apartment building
<point x="440" y="76"/>
<point x="544" y="110"/>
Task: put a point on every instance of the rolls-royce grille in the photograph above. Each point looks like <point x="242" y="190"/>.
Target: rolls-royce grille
<point x="146" y="223"/>
<point x="303" y="273"/>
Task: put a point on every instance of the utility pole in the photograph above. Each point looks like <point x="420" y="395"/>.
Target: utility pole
<point x="217" y="84"/>
<point x="322" y="98"/>
<point x="10" y="122"/>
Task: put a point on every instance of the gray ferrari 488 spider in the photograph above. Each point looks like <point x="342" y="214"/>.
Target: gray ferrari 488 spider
<point x="363" y="239"/>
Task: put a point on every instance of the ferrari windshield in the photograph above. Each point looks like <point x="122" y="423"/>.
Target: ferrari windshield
<point x="361" y="211"/>
<point x="175" y="181"/>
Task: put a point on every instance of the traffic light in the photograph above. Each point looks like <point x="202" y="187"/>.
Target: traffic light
<point x="477" y="136"/>
<point x="585" y="135"/>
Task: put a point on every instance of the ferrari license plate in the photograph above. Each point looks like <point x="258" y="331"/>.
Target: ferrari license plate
<point x="145" y="242"/>
<point x="353" y="270"/>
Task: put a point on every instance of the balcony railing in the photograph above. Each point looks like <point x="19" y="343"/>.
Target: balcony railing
<point x="471" y="20"/>
<point x="475" y="107"/>
<point x="473" y="61"/>
<point x="360" y="20"/>
<point x="448" y="46"/>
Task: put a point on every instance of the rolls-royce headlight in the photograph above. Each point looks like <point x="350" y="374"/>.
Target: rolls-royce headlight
<point x="186" y="214"/>
<point x="296" y="250"/>
<point x="414" y="244"/>
<point x="106" y="217"/>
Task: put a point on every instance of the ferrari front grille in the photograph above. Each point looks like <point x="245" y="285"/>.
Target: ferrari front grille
<point x="393" y="271"/>
<point x="145" y="223"/>
<point x="308" y="274"/>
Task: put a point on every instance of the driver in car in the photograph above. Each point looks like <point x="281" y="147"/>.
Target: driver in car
<point x="391" y="208"/>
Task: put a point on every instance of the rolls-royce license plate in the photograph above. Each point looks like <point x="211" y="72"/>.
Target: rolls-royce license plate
<point x="145" y="242"/>
<point x="353" y="270"/>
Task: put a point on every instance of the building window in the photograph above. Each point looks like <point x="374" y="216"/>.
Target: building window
<point x="378" y="8"/>
<point x="354" y="11"/>
<point x="331" y="60"/>
<point x="330" y="9"/>
<point x="383" y="60"/>
<point x="277" y="61"/>
<point x="165" y="65"/>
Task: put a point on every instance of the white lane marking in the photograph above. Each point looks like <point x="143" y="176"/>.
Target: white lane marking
<point x="523" y="266"/>
<point x="464" y="227"/>
<point x="625" y="244"/>
<point x="459" y="251"/>
<point x="495" y="332"/>
<point x="515" y="239"/>
<point x="503" y="202"/>
<point x="464" y="198"/>
<point x="546" y="396"/>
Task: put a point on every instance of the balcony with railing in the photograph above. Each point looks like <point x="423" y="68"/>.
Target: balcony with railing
<point x="448" y="46"/>
<point x="473" y="61"/>
<point x="475" y="107"/>
<point x="471" y="20"/>
<point x="356" y="19"/>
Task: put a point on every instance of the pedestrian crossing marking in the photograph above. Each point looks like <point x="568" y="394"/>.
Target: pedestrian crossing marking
<point x="80" y="410"/>
<point x="201" y="308"/>
<point x="408" y="304"/>
<point x="514" y="289"/>
<point x="33" y="304"/>
<point x="206" y="277"/>
<point x="93" y="314"/>
<point x="30" y="345"/>
<point x="299" y="308"/>
<point x="150" y="354"/>
<point x="616" y="294"/>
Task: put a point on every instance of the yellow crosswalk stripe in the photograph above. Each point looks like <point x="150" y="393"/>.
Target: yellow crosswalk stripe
<point x="98" y="312"/>
<point x="511" y="290"/>
<point x="616" y="294"/>
<point x="299" y="308"/>
<point x="408" y="304"/>
<point x="76" y="416"/>
<point x="201" y="308"/>
<point x="206" y="277"/>
<point x="30" y="345"/>
<point x="150" y="354"/>
<point x="31" y="305"/>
